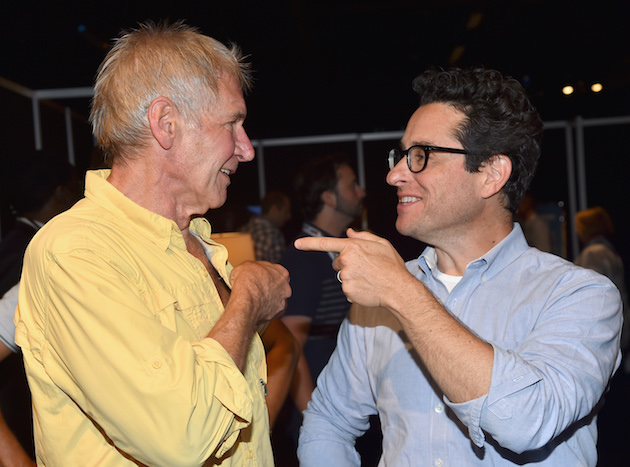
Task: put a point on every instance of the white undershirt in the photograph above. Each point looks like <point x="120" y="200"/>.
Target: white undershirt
<point x="446" y="279"/>
<point x="449" y="281"/>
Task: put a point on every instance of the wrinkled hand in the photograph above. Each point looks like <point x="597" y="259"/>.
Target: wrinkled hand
<point x="370" y="268"/>
<point x="264" y="285"/>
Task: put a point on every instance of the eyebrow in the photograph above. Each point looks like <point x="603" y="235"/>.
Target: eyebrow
<point x="415" y="143"/>
<point x="238" y="116"/>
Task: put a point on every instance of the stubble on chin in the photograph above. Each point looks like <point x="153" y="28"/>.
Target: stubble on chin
<point x="409" y="228"/>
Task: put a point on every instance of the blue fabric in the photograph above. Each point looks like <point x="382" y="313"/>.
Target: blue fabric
<point x="555" y="330"/>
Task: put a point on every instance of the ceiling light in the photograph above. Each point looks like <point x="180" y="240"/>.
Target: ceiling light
<point x="567" y="90"/>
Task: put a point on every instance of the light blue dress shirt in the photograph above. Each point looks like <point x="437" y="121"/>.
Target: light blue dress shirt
<point x="555" y="330"/>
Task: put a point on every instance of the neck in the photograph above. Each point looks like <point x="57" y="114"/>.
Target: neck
<point x="332" y="221"/>
<point x="453" y="256"/>
<point x="334" y="229"/>
<point x="272" y="219"/>
<point x="148" y="186"/>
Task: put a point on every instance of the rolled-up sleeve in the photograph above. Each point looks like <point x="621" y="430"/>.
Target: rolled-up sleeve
<point x="555" y="376"/>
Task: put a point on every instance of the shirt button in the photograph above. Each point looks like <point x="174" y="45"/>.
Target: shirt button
<point x="439" y="462"/>
<point x="157" y="364"/>
<point x="439" y="408"/>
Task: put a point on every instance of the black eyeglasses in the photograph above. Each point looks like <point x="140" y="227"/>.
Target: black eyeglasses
<point x="417" y="156"/>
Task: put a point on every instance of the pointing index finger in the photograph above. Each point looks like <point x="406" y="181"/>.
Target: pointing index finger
<point x="321" y="244"/>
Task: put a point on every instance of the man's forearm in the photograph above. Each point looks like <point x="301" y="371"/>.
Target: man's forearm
<point x="302" y="384"/>
<point x="4" y="351"/>
<point x="281" y="366"/>
<point x="459" y="362"/>
<point x="234" y="332"/>
<point x="11" y="452"/>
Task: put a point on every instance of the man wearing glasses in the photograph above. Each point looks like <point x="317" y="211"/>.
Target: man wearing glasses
<point x="483" y="351"/>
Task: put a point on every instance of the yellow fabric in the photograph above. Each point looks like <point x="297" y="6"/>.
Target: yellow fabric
<point x="112" y="319"/>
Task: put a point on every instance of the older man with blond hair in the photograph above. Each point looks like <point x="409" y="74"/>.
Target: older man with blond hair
<point x="139" y="338"/>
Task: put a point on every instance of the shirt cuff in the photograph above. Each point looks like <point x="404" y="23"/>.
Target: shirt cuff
<point x="469" y="413"/>
<point x="233" y="392"/>
<point x="488" y="411"/>
<point x="235" y="395"/>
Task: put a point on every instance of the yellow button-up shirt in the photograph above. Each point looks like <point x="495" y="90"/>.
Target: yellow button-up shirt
<point x="112" y="320"/>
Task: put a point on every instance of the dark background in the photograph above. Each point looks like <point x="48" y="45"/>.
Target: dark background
<point x="330" y="67"/>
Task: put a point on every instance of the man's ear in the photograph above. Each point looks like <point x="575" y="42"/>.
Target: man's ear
<point x="329" y="198"/>
<point x="496" y="171"/>
<point x="162" y="121"/>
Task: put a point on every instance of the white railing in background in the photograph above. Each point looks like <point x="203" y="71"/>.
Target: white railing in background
<point x="574" y="132"/>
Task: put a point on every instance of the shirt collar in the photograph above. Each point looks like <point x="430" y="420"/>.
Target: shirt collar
<point x="312" y="231"/>
<point x="163" y="231"/>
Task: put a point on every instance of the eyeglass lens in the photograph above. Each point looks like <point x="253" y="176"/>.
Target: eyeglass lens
<point x="416" y="158"/>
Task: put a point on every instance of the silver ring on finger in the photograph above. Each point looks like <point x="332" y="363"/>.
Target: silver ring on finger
<point x="339" y="276"/>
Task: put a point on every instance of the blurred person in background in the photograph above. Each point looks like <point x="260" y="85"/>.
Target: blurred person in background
<point x="330" y="199"/>
<point x="595" y="230"/>
<point x="265" y="229"/>
<point x="38" y="186"/>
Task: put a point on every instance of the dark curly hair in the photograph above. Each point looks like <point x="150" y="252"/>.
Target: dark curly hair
<point x="500" y="119"/>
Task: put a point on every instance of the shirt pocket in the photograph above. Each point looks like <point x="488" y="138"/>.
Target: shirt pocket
<point x="189" y="310"/>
